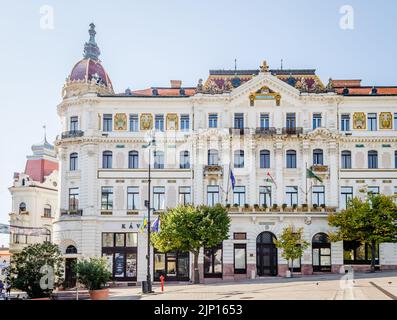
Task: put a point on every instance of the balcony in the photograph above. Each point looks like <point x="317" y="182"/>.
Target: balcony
<point x="213" y="170"/>
<point x="239" y="131"/>
<point x="265" y="131"/>
<point x="71" y="213"/>
<point x="293" y="131"/>
<point x="72" y="134"/>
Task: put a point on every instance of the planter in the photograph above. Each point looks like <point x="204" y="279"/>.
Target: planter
<point x="102" y="294"/>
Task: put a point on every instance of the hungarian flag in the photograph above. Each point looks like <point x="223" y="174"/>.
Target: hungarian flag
<point x="270" y="179"/>
<point x="311" y="175"/>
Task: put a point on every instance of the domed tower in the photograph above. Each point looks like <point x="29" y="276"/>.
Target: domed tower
<point x="88" y="75"/>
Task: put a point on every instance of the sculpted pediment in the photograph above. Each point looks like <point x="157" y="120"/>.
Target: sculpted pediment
<point x="322" y="133"/>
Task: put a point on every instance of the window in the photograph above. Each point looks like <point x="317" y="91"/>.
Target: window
<point x="185" y="196"/>
<point x="291" y="121"/>
<point x="318" y="157"/>
<point x="133" y="160"/>
<point x="213" y="262"/>
<point x="132" y="198"/>
<point x="158" y="159"/>
<point x="213" y="157"/>
<point x="239" y="196"/>
<point x="239" y="159"/>
<point x="47" y="211"/>
<point x="317" y="117"/>
<point x="265" y="196"/>
<point x="185" y="122"/>
<point x="346" y="160"/>
<point x="134" y="123"/>
<point x="346" y="195"/>
<point x="372" y="121"/>
<point x="372" y="159"/>
<point x="291" y="196"/>
<point x="159" y="122"/>
<point x="264" y="121"/>
<point x="373" y="190"/>
<point x="213" y="120"/>
<point x="395" y="121"/>
<point x="107" y="122"/>
<point x="73" y="161"/>
<point x="265" y="159"/>
<point x="355" y="252"/>
<point x="73" y="199"/>
<point x="345" y="122"/>
<point x="212" y="195"/>
<point x="74" y="124"/>
<point x="184" y="160"/>
<point x="22" y="207"/>
<point x="239" y="120"/>
<point x="107" y="159"/>
<point x="291" y="159"/>
<point x="107" y="198"/>
<point x="395" y="159"/>
<point x="240" y="258"/>
<point x="159" y="198"/>
<point x="318" y="196"/>
<point x="395" y="194"/>
<point x="71" y="250"/>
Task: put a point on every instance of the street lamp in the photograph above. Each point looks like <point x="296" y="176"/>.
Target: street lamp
<point x="148" y="289"/>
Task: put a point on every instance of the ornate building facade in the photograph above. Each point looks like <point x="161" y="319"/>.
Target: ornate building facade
<point x="263" y="127"/>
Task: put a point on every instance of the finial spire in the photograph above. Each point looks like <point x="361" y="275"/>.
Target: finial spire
<point x="282" y="61"/>
<point x="235" y="66"/>
<point x="91" y="49"/>
<point x="45" y="133"/>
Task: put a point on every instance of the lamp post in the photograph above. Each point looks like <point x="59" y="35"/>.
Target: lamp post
<point x="151" y="142"/>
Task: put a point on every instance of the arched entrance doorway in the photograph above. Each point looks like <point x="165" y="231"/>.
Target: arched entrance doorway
<point x="70" y="263"/>
<point x="321" y="253"/>
<point x="266" y="254"/>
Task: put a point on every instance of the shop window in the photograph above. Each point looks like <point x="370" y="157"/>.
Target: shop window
<point x="355" y="252"/>
<point x="240" y="258"/>
<point x="213" y="262"/>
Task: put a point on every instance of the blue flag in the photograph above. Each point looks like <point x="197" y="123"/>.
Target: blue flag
<point x="232" y="179"/>
<point x="156" y="224"/>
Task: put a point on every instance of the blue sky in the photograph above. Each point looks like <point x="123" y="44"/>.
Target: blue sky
<point x="149" y="42"/>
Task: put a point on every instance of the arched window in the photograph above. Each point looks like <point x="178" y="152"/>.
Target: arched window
<point x="133" y="160"/>
<point x="73" y="161"/>
<point x="107" y="159"/>
<point x="159" y="160"/>
<point x="318" y="157"/>
<point x="22" y="207"/>
<point x="71" y="250"/>
<point x="184" y="160"/>
<point x="372" y="159"/>
<point x="291" y="159"/>
<point x="346" y="159"/>
<point x="265" y="159"/>
<point x="239" y="159"/>
<point x="321" y="253"/>
<point x="47" y="211"/>
<point x="213" y="157"/>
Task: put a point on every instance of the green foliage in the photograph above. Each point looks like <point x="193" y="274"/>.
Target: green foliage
<point x="26" y="267"/>
<point x="292" y="244"/>
<point x="189" y="229"/>
<point x="93" y="273"/>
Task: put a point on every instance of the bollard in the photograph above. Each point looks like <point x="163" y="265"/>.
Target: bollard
<point x="162" y="278"/>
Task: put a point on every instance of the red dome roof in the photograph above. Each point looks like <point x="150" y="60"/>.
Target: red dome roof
<point x="87" y="69"/>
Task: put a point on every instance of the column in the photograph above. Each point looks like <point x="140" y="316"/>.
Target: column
<point x="333" y="189"/>
<point x="279" y="170"/>
<point x="304" y="180"/>
<point x="252" y="165"/>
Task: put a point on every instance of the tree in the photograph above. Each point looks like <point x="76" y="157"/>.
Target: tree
<point x="189" y="229"/>
<point x="370" y="221"/>
<point x="37" y="269"/>
<point x="93" y="273"/>
<point x="292" y="244"/>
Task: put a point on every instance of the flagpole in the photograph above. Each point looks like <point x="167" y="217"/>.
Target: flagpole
<point x="228" y="186"/>
<point x="306" y="184"/>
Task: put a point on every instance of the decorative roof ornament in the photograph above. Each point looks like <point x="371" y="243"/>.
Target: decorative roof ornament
<point x="264" y="67"/>
<point x="330" y="86"/>
<point x="91" y="49"/>
<point x="200" y="86"/>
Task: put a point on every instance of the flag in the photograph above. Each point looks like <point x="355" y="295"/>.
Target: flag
<point x="270" y="179"/>
<point x="232" y="179"/>
<point x="311" y="175"/>
<point x="156" y="223"/>
<point x="143" y="225"/>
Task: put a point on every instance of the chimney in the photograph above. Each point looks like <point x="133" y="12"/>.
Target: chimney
<point x="176" y="84"/>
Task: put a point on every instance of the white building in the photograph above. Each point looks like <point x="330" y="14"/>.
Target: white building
<point x="266" y="126"/>
<point x="34" y="198"/>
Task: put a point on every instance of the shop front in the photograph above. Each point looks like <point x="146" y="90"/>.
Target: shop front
<point x="121" y="250"/>
<point x="174" y="266"/>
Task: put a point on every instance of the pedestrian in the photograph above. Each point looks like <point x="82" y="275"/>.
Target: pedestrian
<point x="8" y="288"/>
<point x="1" y="287"/>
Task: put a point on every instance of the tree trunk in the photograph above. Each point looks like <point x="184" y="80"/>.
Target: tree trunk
<point x="196" y="275"/>
<point x="292" y="268"/>
<point x="373" y="244"/>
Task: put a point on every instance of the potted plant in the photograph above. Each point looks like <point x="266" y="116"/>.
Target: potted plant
<point x="256" y="207"/>
<point x="265" y="207"/>
<point x="323" y="207"/>
<point x="228" y="206"/>
<point x="284" y="206"/>
<point x="275" y="207"/>
<point x="304" y="207"/>
<point x="94" y="275"/>
<point x="295" y="207"/>
<point x="315" y="206"/>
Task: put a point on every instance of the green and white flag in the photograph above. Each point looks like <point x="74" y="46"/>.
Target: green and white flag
<point x="311" y="175"/>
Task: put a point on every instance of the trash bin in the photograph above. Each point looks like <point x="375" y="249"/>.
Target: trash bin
<point x="145" y="287"/>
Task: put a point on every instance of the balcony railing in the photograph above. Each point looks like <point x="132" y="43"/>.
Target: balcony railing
<point x="292" y="131"/>
<point x="77" y="212"/>
<point x="72" y="134"/>
<point x="213" y="170"/>
<point x="265" y="131"/>
<point x="239" y="131"/>
<point x="319" y="168"/>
